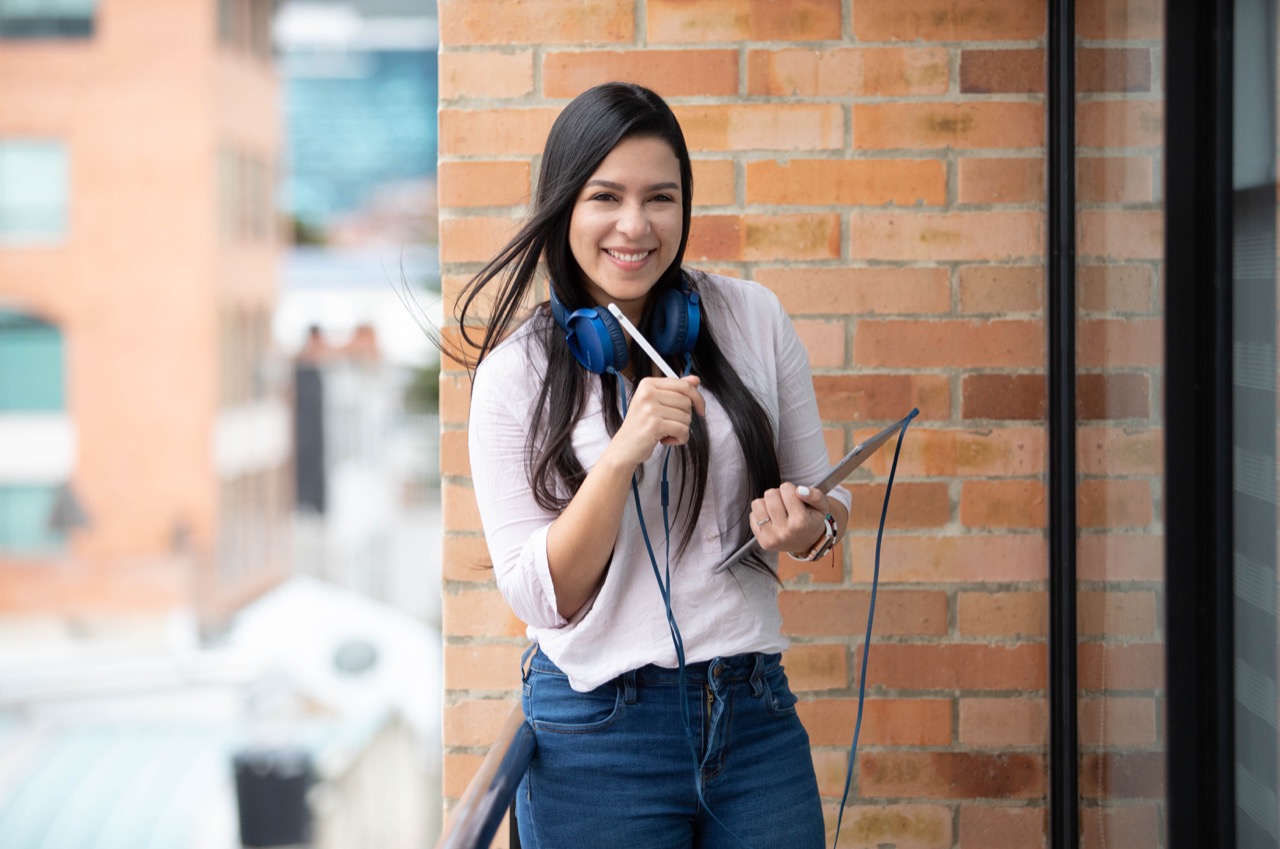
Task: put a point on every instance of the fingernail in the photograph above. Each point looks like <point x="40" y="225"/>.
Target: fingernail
<point x="802" y="491"/>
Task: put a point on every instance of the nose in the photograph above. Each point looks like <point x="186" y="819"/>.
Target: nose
<point x="633" y="222"/>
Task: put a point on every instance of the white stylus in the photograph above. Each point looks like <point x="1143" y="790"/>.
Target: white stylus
<point x="642" y="342"/>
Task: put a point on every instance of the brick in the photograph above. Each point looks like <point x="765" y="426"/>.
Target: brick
<point x="458" y="505"/>
<point x="1014" y="828"/>
<point x="1119" y="123"/>
<point x="930" y="452"/>
<point x="479" y="612"/>
<point x="964" y="126"/>
<point x="859" y="291"/>
<point x="881" y="397"/>
<point x="947" y="237"/>
<point x="475" y="239"/>
<point x="1118" y="722"/>
<point x="1001" y="289"/>
<point x="455" y="398"/>
<point x="870" y="826"/>
<point x="1019" y="71"/>
<point x="1121" y="395"/>
<point x="824" y="341"/>
<point x="816" y="666"/>
<point x="476" y="722"/>
<point x="458" y="771"/>
<point x="1114" y="179"/>
<point x="1119" y="825"/>
<point x="1002" y="614"/>
<point x="495" y="132"/>
<point x="1109" y="503"/>
<point x="1115" y="288"/>
<point x="454" y="459"/>
<point x="504" y="22"/>
<point x="1117" y="613"/>
<point x="714" y="182"/>
<point x="797" y="237"/>
<point x="913" y="505"/>
<point x="951" y="775"/>
<point x="816" y="126"/>
<point x="1003" y="396"/>
<point x="970" y="558"/>
<point x="484" y="183"/>
<point x="1003" y="722"/>
<point x="671" y="73"/>
<point x="1136" y="775"/>
<point x="1113" y="69"/>
<point x="1001" y="180"/>
<point x="830" y="612"/>
<point x="1003" y="504"/>
<point x="1120" y="557"/>
<point x="466" y="558"/>
<point x="1135" y="666"/>
<point x="680" y="22"/>
<point x="965" y="667"/>
<point x="843" y="72"/>
<point x="483" y="667"/>
<point x="899" y="343"/>
<point x="1120" y="342"/>
<point x="485" y="74"/>
<point x="845" y="182"/>
<point x="948" y="20"/>
<point x="714" y="237"/>
<point x="885" y="722"/>
<point x="1119" y="451"/>
<point x="1122" y="234"/>
<point x="1120" y="20"/>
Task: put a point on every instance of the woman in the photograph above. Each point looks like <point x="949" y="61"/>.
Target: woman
<point x="573" y="440"/>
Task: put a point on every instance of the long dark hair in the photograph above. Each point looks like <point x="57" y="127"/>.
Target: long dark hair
<point x="582" y="136"/>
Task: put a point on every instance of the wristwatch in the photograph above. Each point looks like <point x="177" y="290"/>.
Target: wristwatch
<point x="825" y="543"/>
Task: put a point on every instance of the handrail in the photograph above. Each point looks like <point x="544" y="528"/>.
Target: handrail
<point x="479" y="812"/>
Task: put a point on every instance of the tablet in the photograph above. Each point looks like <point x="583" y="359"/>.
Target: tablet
<point x="834" y="477"/>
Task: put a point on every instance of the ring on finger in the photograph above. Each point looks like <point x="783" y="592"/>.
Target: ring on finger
<point x="766" y="520"/>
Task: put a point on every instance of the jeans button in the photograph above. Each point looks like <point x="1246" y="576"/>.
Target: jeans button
<point x="718" y="670"/>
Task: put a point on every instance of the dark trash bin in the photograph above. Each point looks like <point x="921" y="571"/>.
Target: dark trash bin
<point x="271" y="792"/>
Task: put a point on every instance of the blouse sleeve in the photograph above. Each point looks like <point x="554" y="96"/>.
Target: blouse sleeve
<point x="515" y="526"/>
<point x="802" y="450"/>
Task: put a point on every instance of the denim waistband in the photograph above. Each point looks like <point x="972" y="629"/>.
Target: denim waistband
<point x="718" y="671"/>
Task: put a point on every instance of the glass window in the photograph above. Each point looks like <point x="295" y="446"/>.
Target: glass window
<point x="47" y="18"/>
<point x="26" y="519"/>
<point x="31" y="364"/>
<point x="33" y="191"/>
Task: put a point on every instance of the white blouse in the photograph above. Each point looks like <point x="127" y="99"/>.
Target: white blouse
<point x="624" y="625"/>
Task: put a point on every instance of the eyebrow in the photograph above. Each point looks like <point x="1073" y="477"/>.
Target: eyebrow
<point x="618" y="187"/>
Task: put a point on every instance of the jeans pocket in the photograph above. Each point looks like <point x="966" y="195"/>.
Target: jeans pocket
<point x="778" y="698"/>
<point x="552" y="705"/>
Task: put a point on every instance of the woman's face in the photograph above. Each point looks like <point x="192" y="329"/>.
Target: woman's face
<point x="627" y="222"/>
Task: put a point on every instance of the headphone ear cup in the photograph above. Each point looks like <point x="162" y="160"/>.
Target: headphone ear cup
<point x="677" y="316"/>
<point x="596" y="340"/>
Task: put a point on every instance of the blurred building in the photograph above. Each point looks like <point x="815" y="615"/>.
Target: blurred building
<point x="144" y="421"/>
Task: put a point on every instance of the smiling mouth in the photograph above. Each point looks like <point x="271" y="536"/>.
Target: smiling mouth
<point x="627" y="257"/>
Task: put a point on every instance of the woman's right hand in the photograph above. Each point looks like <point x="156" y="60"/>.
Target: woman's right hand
<point x="661" y="411"/>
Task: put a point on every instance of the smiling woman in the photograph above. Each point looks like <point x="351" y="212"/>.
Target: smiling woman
<point x="561" y="393"/>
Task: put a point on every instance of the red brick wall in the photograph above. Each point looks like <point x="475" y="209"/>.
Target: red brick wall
<point x="881" y="166"/>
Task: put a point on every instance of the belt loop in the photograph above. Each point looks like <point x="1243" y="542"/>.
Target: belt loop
<point x="524" y="658"/>
<point x="757" y="675"/>
<point x="629" y="687"/>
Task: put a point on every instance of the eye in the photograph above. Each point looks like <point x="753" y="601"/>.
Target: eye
<point x="603" y="196"/>
<point x="664" y="198"/>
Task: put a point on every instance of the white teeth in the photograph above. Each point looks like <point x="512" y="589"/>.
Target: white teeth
<point x="627" y="257"/>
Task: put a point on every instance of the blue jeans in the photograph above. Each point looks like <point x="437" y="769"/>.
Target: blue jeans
<point x="613" y="767"/>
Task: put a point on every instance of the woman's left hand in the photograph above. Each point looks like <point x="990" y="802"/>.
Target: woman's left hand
<point x="789" y="518"/>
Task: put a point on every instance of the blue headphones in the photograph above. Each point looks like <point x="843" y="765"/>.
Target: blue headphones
<point x="599" y="344"/>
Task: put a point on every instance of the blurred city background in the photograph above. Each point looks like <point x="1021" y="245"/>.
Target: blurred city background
<point x="219" y="476"/>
